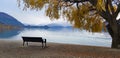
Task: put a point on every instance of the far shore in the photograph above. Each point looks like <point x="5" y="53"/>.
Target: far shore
<point x="15" y="49"/>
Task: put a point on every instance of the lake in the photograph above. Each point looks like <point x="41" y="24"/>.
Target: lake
<point x="61" y="35"/>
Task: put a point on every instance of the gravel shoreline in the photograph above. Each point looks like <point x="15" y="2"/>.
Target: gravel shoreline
<point x="14" y="49"/>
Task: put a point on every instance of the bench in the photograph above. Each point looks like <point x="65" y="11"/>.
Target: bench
<point x="34" y="39"/>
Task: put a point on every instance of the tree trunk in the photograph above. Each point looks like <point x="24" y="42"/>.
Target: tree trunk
<point x="115" y="36"/>
<point x="115" y="42"/>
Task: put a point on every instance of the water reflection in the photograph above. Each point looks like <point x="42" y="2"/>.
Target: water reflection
<point x="10" y="33"/>
<point x="62" y="35"/>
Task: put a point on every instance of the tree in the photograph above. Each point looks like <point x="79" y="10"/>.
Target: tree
<point x="83" y="14"/>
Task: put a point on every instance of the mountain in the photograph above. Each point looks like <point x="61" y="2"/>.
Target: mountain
<point x="9" y="20"/>
<point x="63" y="24"/>
<point x="55" y="25"/>
<point x="30" y="26"/>
<point x="49" y="26"/>
<point x="59" y="25"/>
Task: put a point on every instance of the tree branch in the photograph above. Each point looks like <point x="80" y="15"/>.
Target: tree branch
<point x="75" y="1"/>
<point x="93" y="2"/>
<point x="111" y="7"/>
<point x="106" y="7"/>
<point x="117" y="11"/>
<point x="104" y="15"/>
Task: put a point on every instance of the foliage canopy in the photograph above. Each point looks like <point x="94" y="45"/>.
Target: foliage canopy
<point x="83" y="14"/>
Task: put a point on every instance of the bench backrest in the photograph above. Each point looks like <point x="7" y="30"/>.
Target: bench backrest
<point x="33" y="39"/>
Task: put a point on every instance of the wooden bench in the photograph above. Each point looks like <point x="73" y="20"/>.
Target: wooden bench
<point x="34" y="39"/>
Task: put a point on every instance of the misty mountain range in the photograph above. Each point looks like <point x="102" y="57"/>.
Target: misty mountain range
<point x="9" y="20"/>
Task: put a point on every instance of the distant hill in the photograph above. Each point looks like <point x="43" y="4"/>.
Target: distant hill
<point x="51" y="26"/>
<point x="56" y="25"/>
<point x="9" y="20"/>
<point x="30" y="26"/>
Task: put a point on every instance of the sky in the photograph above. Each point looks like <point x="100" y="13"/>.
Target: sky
<point x="27" y="17"/>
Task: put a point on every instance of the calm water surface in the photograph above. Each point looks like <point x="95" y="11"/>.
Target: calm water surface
<point x="63" y="35"/>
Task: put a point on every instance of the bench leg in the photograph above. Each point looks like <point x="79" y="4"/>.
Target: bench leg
<point x="23" y="43"/>
<point x="42" y="45"/>
<point x="27" y="43"/>
<point x="45" y="42"/>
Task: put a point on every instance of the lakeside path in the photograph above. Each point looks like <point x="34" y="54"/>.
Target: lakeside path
<point x="14" y="49"/>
